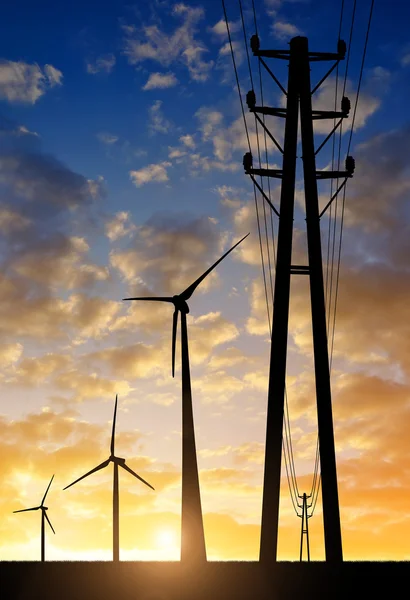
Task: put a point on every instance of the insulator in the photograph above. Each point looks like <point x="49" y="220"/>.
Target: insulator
<point x="341" y="48"/>
<point x="345" y="105"/>
<point x="255" y="44"/>
<point x="247" y="161"/>
<point x="251" y="99"/>
<point x="350" y="165"/>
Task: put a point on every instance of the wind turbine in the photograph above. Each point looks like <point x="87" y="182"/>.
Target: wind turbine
<point x="43" y="518"/>
<point x="192" y="529"/>
<point x="118" y="462"/>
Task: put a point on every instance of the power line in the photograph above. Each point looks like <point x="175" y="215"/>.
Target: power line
<point x="250" y="150"/>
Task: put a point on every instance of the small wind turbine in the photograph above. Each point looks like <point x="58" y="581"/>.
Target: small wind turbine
<point x="43" y="518"/>
<point x="118" y="462"/>
<point x="192" y="529"/>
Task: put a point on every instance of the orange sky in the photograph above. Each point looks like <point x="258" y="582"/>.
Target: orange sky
<point x="73" y="244"/>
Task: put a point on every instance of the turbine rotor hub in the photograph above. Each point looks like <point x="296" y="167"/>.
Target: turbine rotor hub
<point x="180" y="304"/>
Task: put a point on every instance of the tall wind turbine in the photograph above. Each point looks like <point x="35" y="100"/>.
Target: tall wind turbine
<point x="44" y="518"/>
<point x="192" y="529"/>
<point x="118" y="462"/>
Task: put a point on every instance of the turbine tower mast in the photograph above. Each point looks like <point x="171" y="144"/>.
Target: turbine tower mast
<point x="299" y="95"/>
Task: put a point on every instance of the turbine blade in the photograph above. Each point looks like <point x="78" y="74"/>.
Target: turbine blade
<point x="174" y="338"/>
<point x="126" y="467"/>
<point x="44" y="497"/>
<point x="26" y="509"/>
<point x="113" y="426"/>
<point x="49" y="522"/>
<point x="164" y="299"/>
<point x="190" y="290"/>
<point x="101" y="466"/>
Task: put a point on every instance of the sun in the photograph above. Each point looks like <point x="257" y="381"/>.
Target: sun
<point x="166" y="538"/>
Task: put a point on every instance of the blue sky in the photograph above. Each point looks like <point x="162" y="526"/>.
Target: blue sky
<point x="121" y="171"/>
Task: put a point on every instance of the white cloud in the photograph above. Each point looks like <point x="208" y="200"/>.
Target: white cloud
<point x="107" y="138"/>
<point x="151" y="43"/>
<point x="22" y="130"/>
<point x="219" y="28"/>
<point x="105" y="63"/>
<point x="209" y="121"/>
<point x="54" y="75"/>
<point x="119" y="226"/>
<point x="153" y="172"/>
<point x="188" y="141"/>
<point x="22" y="82"/>
<point x="283" y="30"/>
<point x="160" y="81"/>
<point x="158" y="122"/>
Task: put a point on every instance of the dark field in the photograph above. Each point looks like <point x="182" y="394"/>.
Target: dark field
<point x="217" y="580"/>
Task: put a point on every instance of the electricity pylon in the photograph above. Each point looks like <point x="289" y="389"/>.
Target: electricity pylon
<point x="305" y="526"/>
<point x="298" y="101"/>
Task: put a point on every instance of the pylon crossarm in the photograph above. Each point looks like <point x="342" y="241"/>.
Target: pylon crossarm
<point x="317" y="86"/>
<point x="328" y="114"/>
<point x="265" y="172"/>
<point x="299" y="270"/>
<point x="317" y="56"/>
<point x="267" y="110"/>
<point x="275" y="79"/>
<point x="269" y="134"/>
<point x="264" y="195"/>
<point x="282" y="54"/>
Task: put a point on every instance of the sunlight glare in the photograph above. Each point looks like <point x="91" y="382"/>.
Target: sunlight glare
<point x="166" y="538"/>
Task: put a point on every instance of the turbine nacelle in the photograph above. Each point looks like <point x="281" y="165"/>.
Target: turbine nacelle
<point x="112" y="458"/>
<point x="117" y="460"/>
<point x="180" y="304"/>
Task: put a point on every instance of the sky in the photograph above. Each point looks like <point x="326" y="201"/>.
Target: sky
<point x="121" y="174"/>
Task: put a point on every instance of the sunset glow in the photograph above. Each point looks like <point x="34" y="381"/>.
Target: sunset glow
<point x="121" y="175"/>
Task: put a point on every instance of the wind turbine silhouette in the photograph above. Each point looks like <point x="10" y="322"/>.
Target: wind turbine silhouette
<point x="118" y="462"/>
<point x="44" y="517"/>
<point x="192" y="529"/>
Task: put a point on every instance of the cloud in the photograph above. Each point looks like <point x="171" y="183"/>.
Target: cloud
<point x="35" y="371"/>
<point x="284" y="30"/>
<point x="207" y="332"/>
<point x="107" y="138"/>
<point x="104" y="63"/>
<point x="25" y="83"/>
<point x="134" y="361"/>
<point x="59" y="262"/>
<point x="150" y="173"/>
<point x="54" y="76"/>
<point x="219" y="29"/>
<point x="233" y="138"/>
<point x="181" y="46"/>
<point x="10" y="353"/>
<point x="168" y="253"/>
<point x="42" y="179"/>
<point x="158" y="123"/>
<point x="380" y="185"/>
<point x="160" y="81"/>
<point x="228" y="358"/>
<point x="119" y="226"/>
<point x="188" y="141"/>
<point x="12" y="221"/>
<point x="377" y="83"/>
